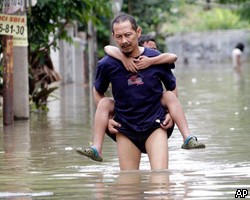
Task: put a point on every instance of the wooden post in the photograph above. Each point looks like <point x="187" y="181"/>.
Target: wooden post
<point x="20" y="58"/>
<point x="8" y="116"/>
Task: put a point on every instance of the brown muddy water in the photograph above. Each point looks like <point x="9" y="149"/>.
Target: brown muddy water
<point x="38" y="159"/>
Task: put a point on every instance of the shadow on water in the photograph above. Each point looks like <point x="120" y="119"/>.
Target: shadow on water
<point x="38" y="159"/>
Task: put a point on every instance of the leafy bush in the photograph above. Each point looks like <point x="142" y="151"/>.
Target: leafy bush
<point x="194" y="18"/>
<point x="221" y="19"/>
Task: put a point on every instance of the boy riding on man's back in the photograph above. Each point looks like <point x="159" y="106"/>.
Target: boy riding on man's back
<point x="104" y="122"/>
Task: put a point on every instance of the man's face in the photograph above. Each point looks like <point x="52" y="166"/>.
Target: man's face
<point x="126" y="37"/>
<point x="150" y="44"/>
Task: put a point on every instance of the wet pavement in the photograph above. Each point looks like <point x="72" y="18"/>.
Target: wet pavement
<point x="38" y="159"/>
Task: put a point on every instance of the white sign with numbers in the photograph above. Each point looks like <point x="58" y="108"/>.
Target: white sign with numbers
<point x="14" y="25"/>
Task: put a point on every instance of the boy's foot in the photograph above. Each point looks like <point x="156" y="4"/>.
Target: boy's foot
<point x="91" y="153"/>
<point x="191" y="142"/>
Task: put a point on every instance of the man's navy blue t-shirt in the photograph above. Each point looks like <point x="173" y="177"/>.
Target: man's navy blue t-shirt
<point x="137" y="95"/>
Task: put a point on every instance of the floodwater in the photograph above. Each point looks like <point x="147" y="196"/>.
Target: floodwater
<point x="38" y="159"/>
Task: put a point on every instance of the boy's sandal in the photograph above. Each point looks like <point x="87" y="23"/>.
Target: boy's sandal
<point x="91" y="153"/>
<point x="191" y="142"/>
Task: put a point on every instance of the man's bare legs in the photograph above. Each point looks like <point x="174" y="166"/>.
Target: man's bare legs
<point x="157" y="149"/>
<point x="104" y="112"/>
<point x="156" y="146"/>
<point x="129" y="155"/>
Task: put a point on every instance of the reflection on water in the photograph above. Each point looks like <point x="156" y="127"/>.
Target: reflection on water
<point x="38" y="159"/>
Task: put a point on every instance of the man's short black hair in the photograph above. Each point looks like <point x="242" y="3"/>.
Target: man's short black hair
<point x="122" y="18"/>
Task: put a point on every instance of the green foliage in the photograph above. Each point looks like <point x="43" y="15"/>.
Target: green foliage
<point x="195" y="18"/>
<point x="231" y="1"/>
<point x="219" y="19"/>
<point x="50" y="17"/>
<point x="244" y="11"/>
<point x="242" y="7"/>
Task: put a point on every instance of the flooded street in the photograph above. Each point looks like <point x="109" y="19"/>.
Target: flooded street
<point x="38" y="159"/>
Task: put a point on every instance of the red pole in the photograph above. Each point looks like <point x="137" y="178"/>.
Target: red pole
<point x="8" y="116"/>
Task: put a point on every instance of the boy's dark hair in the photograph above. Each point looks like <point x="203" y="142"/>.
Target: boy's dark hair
<point x="145" y="38"/>
<point x="240" y="46"/>
<point x="122" y="18"/>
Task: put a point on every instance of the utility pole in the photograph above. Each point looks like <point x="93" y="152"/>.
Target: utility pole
<point x="16" y="25"/>
<point x="21" y="80"/>
<point x="7" y="44"/>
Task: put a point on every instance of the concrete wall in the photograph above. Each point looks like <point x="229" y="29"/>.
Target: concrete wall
<point x="208" y="47"/>
<point x="69" y="59"/>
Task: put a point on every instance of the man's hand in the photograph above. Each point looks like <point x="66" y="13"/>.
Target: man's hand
<point x="167" y="123"/>
<point x="112" y="125"/>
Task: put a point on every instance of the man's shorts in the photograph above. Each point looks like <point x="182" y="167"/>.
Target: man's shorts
<point x="139" y="139"/>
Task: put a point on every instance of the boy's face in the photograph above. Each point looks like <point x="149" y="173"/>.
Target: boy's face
<point x="150" y="44"/>
<point x="126" y="37"/>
